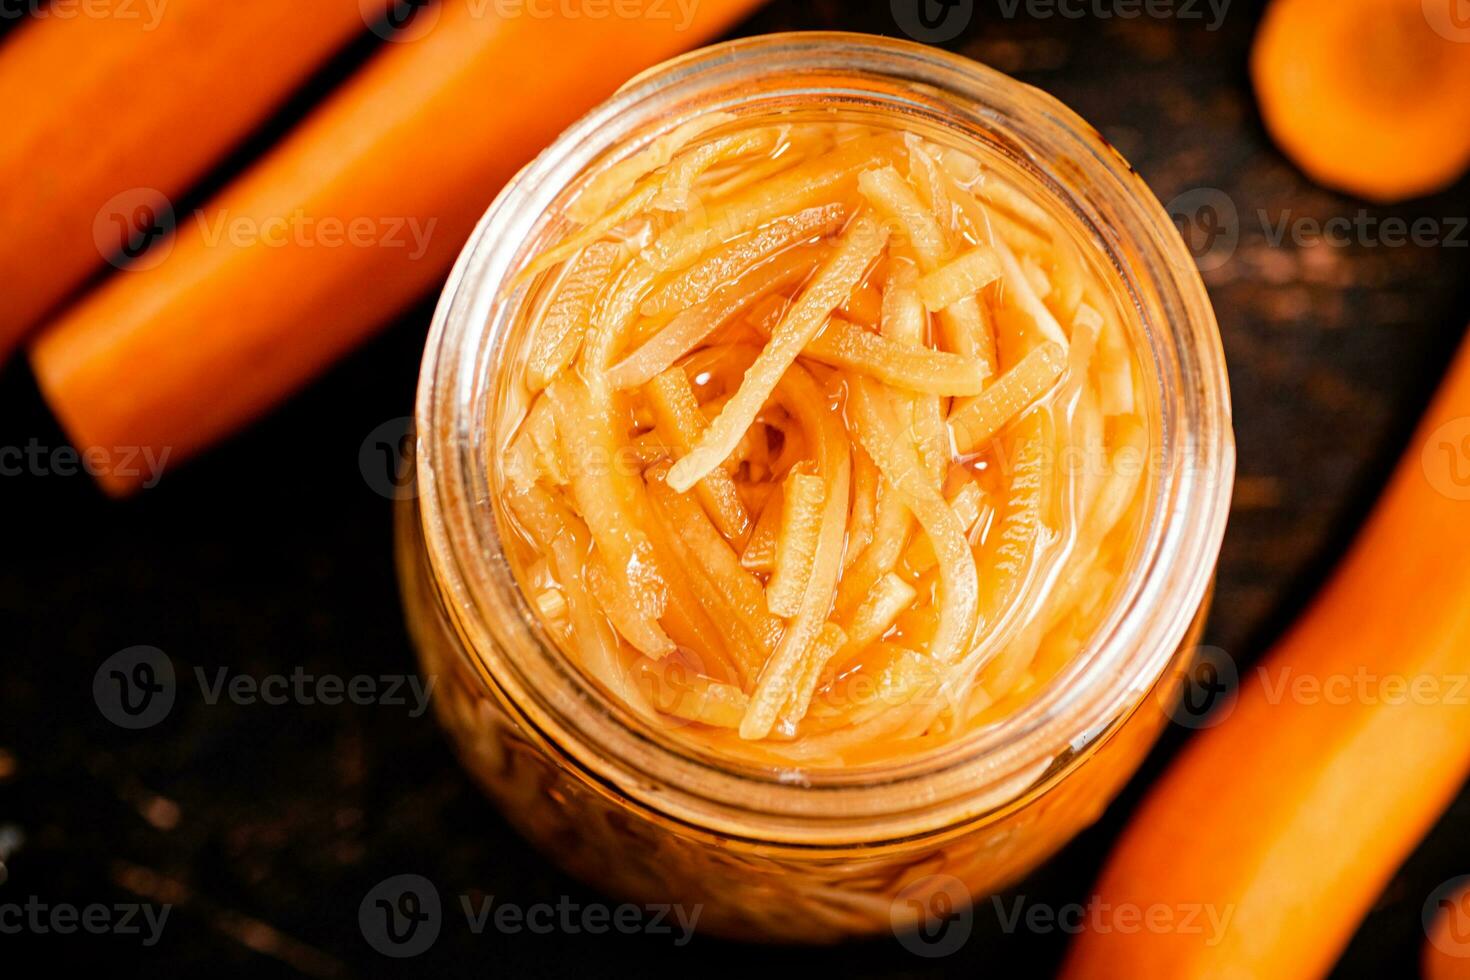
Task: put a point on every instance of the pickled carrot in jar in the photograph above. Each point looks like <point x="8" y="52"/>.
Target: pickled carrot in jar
<point x="821" y="443"/>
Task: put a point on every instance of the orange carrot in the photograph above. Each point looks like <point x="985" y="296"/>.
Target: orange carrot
<point x="1368" y="96"/>
<point x="128" y="103"/>
<point x="254" y="299"/>
<point x="1286" y="820"/>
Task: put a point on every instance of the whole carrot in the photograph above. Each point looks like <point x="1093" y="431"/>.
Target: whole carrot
<point x="255" y="296"/>
<point x="1285" y="821"/>
<point x="120" y="102"/>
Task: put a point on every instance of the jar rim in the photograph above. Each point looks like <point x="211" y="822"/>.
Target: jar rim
<point x="1166" y="582"/>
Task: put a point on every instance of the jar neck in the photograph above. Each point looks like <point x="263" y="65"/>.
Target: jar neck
<point x="990" y="768"/>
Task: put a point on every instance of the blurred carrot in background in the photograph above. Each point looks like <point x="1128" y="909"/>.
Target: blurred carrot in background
<point x="1346" y="744"/>
<point x="143" y="96"/>
<point x="1371" y="97"/>
<point x="252" y="300"/>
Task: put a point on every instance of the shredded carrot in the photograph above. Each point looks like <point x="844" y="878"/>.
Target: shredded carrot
<point x="1011" y="394"/>
<point x="858" y="248"/>
<point x="803" y="497"/>
<point x="811" y="519"/>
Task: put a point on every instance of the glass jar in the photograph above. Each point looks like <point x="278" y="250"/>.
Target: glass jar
<point x="776" y="852"/>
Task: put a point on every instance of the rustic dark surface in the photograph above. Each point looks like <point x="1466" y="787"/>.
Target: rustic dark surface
<point x="265" y="826"/>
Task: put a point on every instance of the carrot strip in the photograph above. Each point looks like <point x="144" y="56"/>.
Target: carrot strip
<point x="968" y="504"/>
<point x="564" y="539"/>
<point x="975" y="425"/>
<point x="808" y="402"/>
<point x="647" y="195"/>
<point x="606" y="498"/>
<point x="880" y="609"/>
<point x="961" y="277"/>
<point x="830" y="640"/>
<point x="566" y="318"/>
<point x="897" y="201"/>
<point x="678" y="414"/>
<point x="617" y="181"/>
<point x="803" y="500"/>
<point x="689" y="328"/>
<point x="131" y="104"/>
<point x="731" y="262"/>
<point x="717" y="561"/>
<point x="760" y="551"/>
<point x="814" y="182"/>
<point x="180" y="354"/>
<point x="684" y="693"/>
<point x="890" y="532"/>
<point x="918" y="369"/>
<point x="862" y="518"/>
<point x="876" y="431"/>
<point x="858" y="248"/>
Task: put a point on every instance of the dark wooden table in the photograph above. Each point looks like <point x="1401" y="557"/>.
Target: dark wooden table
<point x="266" y="825"/>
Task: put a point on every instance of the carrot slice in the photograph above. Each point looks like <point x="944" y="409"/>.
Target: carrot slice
<point x="858" y="247"/>
<point x="1367" y="96"/>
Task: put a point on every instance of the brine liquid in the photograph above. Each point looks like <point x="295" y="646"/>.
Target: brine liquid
<point x="820" y="443"/>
